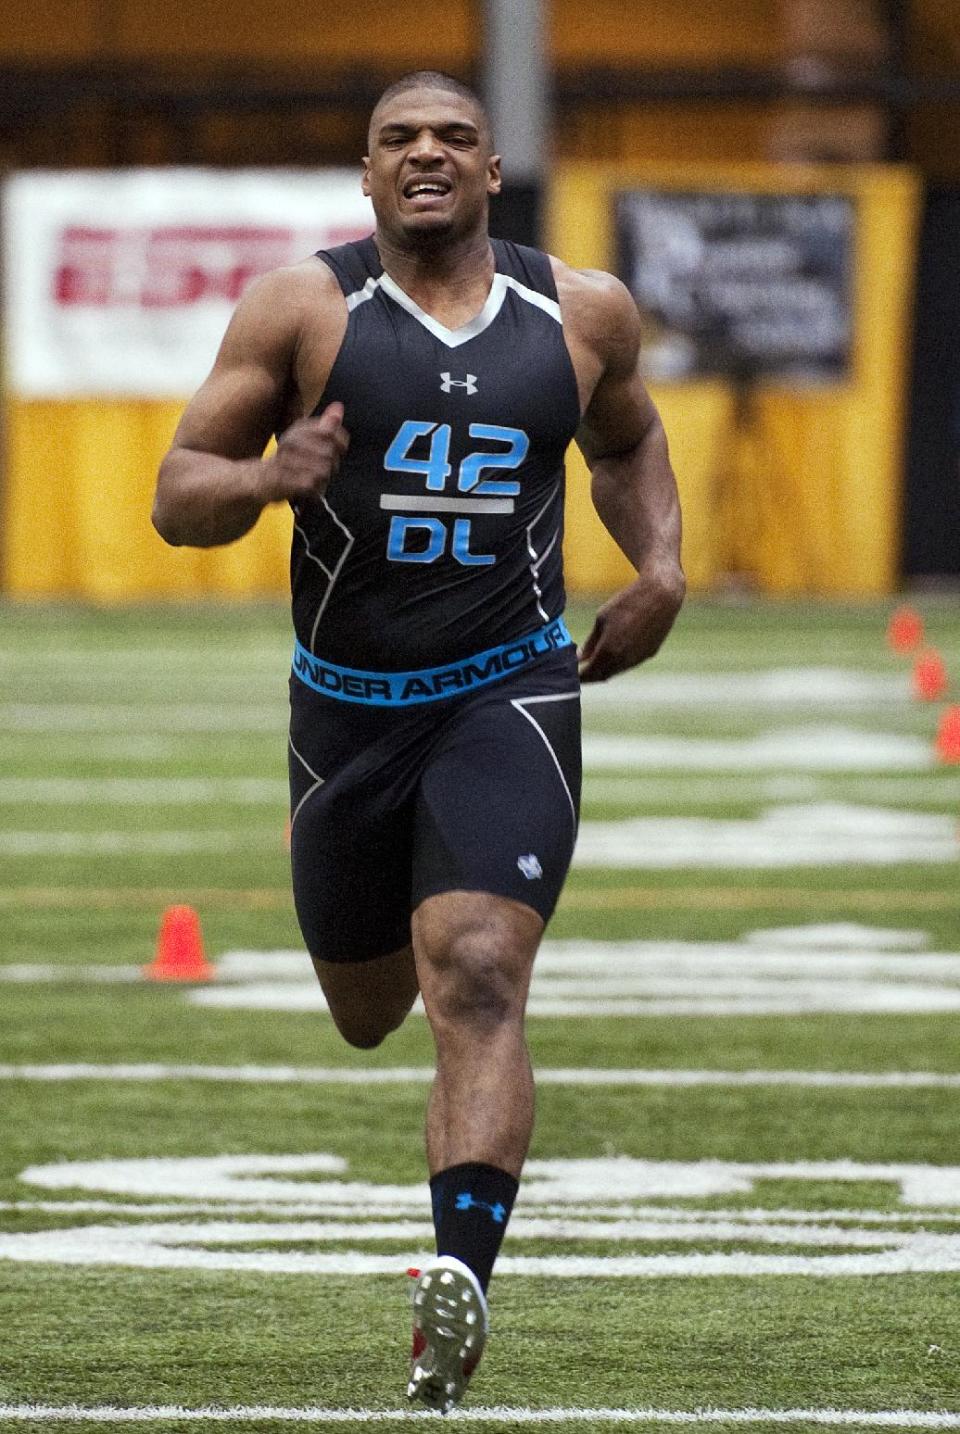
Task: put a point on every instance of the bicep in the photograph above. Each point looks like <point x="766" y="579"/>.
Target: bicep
<point x="620" y="411"/>
<point x="241" y="403"/>
<point x="619" y="416"/>
<point x="233" y="413"/>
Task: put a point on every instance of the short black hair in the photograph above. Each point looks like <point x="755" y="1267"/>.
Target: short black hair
<point x="434" y="80"/>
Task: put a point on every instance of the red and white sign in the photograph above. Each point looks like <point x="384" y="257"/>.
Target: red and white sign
<point x="123" y="282"/>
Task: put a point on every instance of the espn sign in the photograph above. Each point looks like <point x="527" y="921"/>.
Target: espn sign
<point x="123" y="282"/>
<point x="174" y="266"/>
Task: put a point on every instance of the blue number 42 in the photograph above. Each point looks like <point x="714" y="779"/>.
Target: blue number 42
<point x="436" y="469"/>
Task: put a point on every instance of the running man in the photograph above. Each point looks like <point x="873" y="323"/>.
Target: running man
<point x="424" y="384"/>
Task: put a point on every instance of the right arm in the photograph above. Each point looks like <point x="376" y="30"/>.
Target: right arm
<point x="214" y="483"/>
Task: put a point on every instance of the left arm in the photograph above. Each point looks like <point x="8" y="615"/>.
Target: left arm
<point x="633" y="488"/>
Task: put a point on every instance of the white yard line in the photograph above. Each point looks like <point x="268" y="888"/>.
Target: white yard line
<point x="779" y="687"/>
<point x="596" y="1214"/>
<point x="497" y="1415"/>
<point x="139" y="716"/>
<point x="680" y="788"/>
<point x="142" y="791"/>
<point x="263" y="670"/>
<point x="30" y="844"/>
<point x="824" y="967"/>
<point x="802" y="749"/>
<point x="796" y="834"/>
<point x="808" y="748"/>
<point x="422" y="1075"/>
<point x="729" y="788"/>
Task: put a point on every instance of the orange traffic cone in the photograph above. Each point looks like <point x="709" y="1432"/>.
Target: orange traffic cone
<point x="180" y="955"/>
<point x="905" y="630"/>
<point x="930" y="681"/>
<point x="948" y="736"/>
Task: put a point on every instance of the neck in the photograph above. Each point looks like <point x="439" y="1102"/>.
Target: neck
<point x="428" y="266"/>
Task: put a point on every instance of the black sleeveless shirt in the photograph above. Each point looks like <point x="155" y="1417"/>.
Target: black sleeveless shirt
<point x="441" y="534"/>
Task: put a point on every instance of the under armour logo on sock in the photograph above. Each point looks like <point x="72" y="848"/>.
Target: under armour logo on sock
<point x="498" y="1213"/>
<point x="448" y="383"/>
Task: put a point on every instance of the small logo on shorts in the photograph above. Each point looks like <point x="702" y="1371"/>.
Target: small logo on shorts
<point x="530" y="867"/>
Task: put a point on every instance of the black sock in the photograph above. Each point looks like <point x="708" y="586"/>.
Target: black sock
<point x="471" y="1207"/>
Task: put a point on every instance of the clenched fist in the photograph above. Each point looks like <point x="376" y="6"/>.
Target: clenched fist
<point x="307" y="457"/>
<point x="630" y="627"/>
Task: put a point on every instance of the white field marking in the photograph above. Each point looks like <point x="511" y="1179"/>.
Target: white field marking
<point x="497" y="1415"/>
<point x="782" y="687"/>
<point x="709" y="1227"/>
<point x="36" y="972"/>
<point x="268" y="662"/>
<point x="721" y="997"/>
<point x="31" y="844"/>
<point x="423" y="1075"/>
<point x="279" y="1180"/>
<point x="725" y="789"/>
<point x="802" y="749"/>
<point x="720" y="789"/>
<point x="561" y="1200"/>
<point x="112" y="749"/>
<point x="215" y="1245"/>
<point x="807" y="748"/>
<point x="140" y="716"/>
<point x="838" y="936"/>
<point x="142" y="791"/>
<point x="794" y="970"/>
<point x="818" y="968"/>
<point x="823" y="834"/>
<point x="600" y="1216"/>
<point x="249" y="654"/>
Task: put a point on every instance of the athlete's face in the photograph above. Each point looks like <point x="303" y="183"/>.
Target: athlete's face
<point x="430" y="170"/>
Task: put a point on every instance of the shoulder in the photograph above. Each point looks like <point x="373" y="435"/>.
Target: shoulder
<point x="293" y="290"/>
<point x="279" y="310"/>
<point x="601" y="312"/>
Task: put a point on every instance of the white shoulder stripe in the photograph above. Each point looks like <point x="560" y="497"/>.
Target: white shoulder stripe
<point x="453" y="338"/>
<point x="539" y="301"/>
<point x="360" y="296"/>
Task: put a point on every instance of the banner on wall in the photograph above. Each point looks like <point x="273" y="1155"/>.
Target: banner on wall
<point x="734" y="284"/>
<point x="122" y="282"/>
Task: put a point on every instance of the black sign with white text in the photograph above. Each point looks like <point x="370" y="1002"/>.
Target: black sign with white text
<point x="753" y="286"/>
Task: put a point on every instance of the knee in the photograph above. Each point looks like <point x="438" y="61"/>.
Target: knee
<point x="364" y="1030"/>
<point x="472" y="985"/>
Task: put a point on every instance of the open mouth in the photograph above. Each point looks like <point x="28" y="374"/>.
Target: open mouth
<point x="427" y="187"/>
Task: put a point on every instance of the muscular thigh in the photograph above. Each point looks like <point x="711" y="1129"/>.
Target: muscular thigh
<point x="352" y="782"/>
<point x="498" y="803"/>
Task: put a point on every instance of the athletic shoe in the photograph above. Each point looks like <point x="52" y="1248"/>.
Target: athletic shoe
<point x="450" y="1325"/>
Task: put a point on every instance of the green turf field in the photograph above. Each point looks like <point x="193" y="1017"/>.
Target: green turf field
<point x="744" y="1193"/>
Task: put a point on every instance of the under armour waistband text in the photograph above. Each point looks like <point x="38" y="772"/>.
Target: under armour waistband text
<point x="429" y="684"/>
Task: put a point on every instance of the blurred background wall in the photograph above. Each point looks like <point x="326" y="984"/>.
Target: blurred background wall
<point x="844" y="487"/>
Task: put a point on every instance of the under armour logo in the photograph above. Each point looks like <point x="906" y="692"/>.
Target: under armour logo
<point x="448" y="384"/>
<point x="465" y="1201"/>
<point x="530" y="867"/>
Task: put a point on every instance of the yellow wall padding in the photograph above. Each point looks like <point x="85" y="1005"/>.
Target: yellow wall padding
<point x="80" y="480"/>
<point x="381" y="32"/>
<point x="805" y="497"/>
<point x="682" y="32"/>
<point x="377" y="32"/>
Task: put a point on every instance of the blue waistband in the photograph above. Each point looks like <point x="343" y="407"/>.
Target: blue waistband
<point x="429" y="684"/>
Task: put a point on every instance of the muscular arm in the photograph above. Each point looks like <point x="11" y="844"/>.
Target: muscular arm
<point x="633" y="488"/>
<point x="214" y="483"/>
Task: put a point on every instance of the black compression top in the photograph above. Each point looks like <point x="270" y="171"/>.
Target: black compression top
<point x="441" y="534"/>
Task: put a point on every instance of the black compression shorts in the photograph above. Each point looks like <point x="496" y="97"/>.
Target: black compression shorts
<point x="478" y="792"/>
